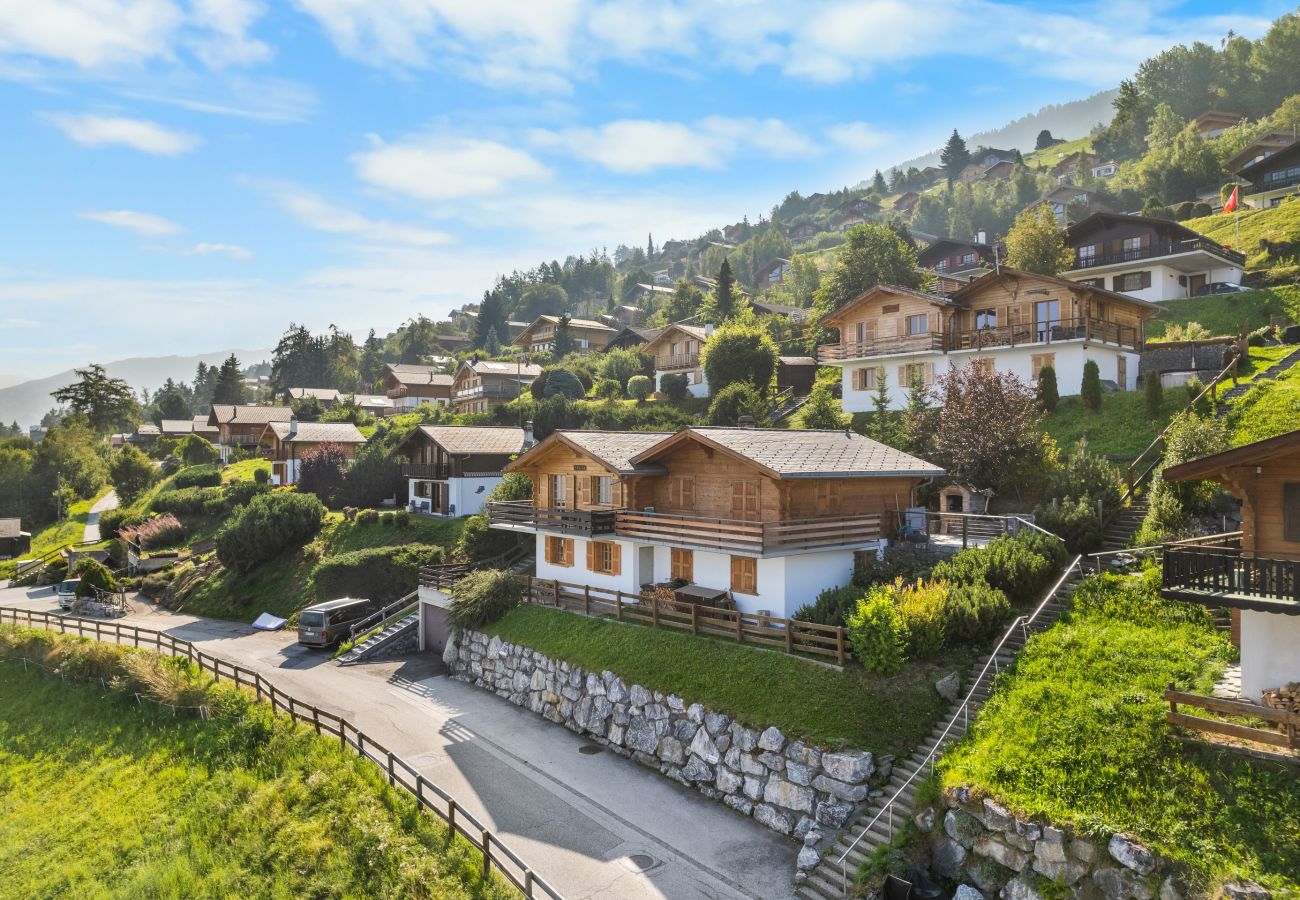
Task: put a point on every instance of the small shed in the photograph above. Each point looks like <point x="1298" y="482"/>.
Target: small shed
<point x="14" y="542"/>
<point x="797" y="372"/>
<point x="962" y="498"/>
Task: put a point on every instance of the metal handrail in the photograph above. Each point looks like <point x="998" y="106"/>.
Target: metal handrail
<point x="381" y="617"/>
<point x="1022" y="622"/>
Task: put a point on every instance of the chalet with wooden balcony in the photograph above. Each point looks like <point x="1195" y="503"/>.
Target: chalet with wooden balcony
<point x="676" y="350"/>
<point x="587" y="335"/>
<point x="409" y="386"/>
<point x="1257" y="575"/>
<point x="451" y="469"/>
<point x="240" y="425"/>
<point x="958" y="259"/>
<point x="764" y="519"/>
<point x="326" y="397"/>
<point x="1007" y="320"/>
<point x="1151" y="259"/>
<point x="1272" y="178"/>
<point x="487" y="383"/>
<point x="285" y="443"/>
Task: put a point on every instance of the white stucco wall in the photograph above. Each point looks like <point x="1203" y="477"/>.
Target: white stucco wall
<point x="469" y="494"/>
<point x="696" y="390"/>
<point x="1164" y="278"/>
<point x="1070" y="358"/>
<point x="628" y="580"/>
<point x="1270" y="651"/>
<point x="784" y="582"/>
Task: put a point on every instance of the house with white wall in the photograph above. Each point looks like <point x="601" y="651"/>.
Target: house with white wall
<point x="285" y="444"/>
<point x="763" y="520"/>
<point x="676" y="350"/>
<point x="451" y="469"/>
<point x="1007" y="321"/>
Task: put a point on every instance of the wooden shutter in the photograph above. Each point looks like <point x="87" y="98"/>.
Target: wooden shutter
<point x="902" y="378"/>
<point x="615" y="558"/>
<point x="928" y="377"/>
<point x="683" y="564"/>
<point x="744" y="500"/>
<point x="744" y="575"/>
<point x="1291" y="512"/>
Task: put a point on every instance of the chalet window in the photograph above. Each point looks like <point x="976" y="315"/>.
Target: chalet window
<point x="683" y="565"/>
<point x="968" y="259"/>
<point x="744" y="575"/>
<point x="827" y="498"/>
<point x="1038" y="360"/>
<point x="1291" y="512"/>
<point x="986" y="318"/>
<point x="681" y="492"/>
<point x="862" y="333"/>
<point x="1133" y="248"/>
<point x="983" y="364"/>
<point x="1132" y="281"/>
<point x="866" y="379"/>
<point x="559" y="491"/>
<point x="1094" y="282"/>
<point x="1047" y="315"/>
<point x="603" y="557"/>
<point x="559" y="551"/>
<point x="918" y="324"/>
<point x="744" y="500"/>
<point x="602" y="490"/>
<point x="424" y="489"/>
<point x="1087" y="255"/>
<point x="911" y="373"/>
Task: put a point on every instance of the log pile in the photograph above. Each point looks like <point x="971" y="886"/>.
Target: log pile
<point x="1286" y="697"/>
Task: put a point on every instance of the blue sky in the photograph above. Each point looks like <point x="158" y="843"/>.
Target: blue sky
<point x="183" y="176"/>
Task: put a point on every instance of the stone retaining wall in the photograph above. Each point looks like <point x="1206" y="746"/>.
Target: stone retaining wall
<point x="789" y="786"/>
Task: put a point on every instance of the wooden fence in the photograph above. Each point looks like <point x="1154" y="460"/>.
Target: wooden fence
<point x="428" y="796"/>
<point x="789" y="635"/>
<point x="1286" y="735"/>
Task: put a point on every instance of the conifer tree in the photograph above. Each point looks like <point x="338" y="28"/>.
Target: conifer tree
<point x="725" y="292"/>
<point x="1048" y="394"/>
<point x="954" y="157"/>
<point x="1090" y="392"/>
<point x="230" y="383"/>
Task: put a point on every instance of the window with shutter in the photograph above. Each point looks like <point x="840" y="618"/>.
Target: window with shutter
<point x="683" y="565"/>
<point x="744" y="500"/>
<point x="681" y="492"/>
<point x="558" y="490"/>
<point x="603" y="557"/>
<point x="1291" y="512"/>
<point x="602" y="490"/>
<point x="744" y="575"/>
<point x="559" y="551"/>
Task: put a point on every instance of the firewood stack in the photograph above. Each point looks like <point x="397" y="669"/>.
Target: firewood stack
<point x="1286" y="697"/>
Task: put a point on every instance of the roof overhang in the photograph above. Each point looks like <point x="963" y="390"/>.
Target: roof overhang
<point x="1215" y="464"/>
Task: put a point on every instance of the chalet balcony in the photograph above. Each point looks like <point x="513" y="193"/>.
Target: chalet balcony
<point x="434" y="471"/>
<point x="490" y="391"/>
<point x="678" y="361"/>
<point x="1060" y="331"/>
<point x="1155" y="251"/>
<point x="522" y="515"/>
<point x="1232" y="577"/>
<point x="1264" y="184"/>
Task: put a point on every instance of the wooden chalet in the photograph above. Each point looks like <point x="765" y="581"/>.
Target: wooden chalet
<point x="451" y="469"/>
<point x="409" y="386"/>
<point x="242" y="426"/>
<point x="485" y="384"/>
<point x="587" y="335"/>
<point x="285" y="443"/>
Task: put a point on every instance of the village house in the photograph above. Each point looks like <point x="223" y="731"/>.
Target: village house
<point x="773" y="272"/>
<point x="862" y="206"/>
<point x="1272" y="178"/>
<point x="1106" y="169"/>
<point x="1263" y="146"/>
<point x="906" y="202"/>
<point x="1151" y="259"/>
<point x="285" y="444"/>
<point x="241" y="427"/>
<point x="326" y="397"/>
<point x="145" y="435"/>
<point x="409" y="386"/>
<point x="486" y="384"/>
<point x="451" y="469"/>
<point x="845" y="221"/>
<point x="587" y="335"/>
<point x="676" y="350"/>
<point x="957" y="258"/>
<point x="796" y="314"/>
<point x="14" y="542"/>
<point x="1212" y="123"/>
<point x="1070" y="164"/>
<point x="1258" y="576"/>
<point x="1007" y="321"/>
<point x="179" y="428"/>
<point x="631" y="337"/>
<point x="999" y="171"/>
<point x="1060" y="200"/>
<point x="759" y="520"/>
<point x="801" y="231"/>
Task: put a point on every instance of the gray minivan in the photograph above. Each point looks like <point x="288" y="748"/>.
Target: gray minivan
<point x="329" y="623"/>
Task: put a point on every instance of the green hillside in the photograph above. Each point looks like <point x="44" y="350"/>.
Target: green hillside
<point x="1224" y="314"/>
<point x="1279" y="224"/>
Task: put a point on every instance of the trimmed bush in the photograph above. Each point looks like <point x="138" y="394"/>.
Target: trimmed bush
<point x="191" y="501"/>
<point x="639" y="387"/>
<point x="93" y="574"/>
<point x="238" y="493"/>
<point x="262" y="476"/>
<point x="169" y="466"/>
<point x="380" y="574"/>
<point x="1048" y="393"/>
<point x="197" y="477"/>
<point x="266" y="527"/>
<point x="923" y="606"/>
<point x="1075" y="520"/>
<point x="833" y="606"/>
<point x="1153" y="394"/>
<point x="402" y="518"/>
<point x="1009" y="564"/>
<point x="734" y="401"/>
<point x="160" y="531"/>
<point x="675" y="386"/>
<point x="368" y="516"/>
<point x="483" y="597"/>
<point x="975" y="613"/>
<point x="878" y="634"/>
<point x="1090" y="390"/>
<point x="197" y="451"/>
<point x="112" y="521"/>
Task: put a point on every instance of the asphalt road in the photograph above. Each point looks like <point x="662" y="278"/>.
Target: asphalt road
<point x="593" y="824"/>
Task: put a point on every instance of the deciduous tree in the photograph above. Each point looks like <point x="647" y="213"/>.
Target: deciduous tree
<point x="989" y="431"/>
<point x="872" y="255"/>
<point x="740" y="352"/>
<point x="1036" y="242"/>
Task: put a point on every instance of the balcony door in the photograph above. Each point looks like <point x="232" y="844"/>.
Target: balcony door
<point x="559" y="492"/>
<point x="1047" y="316"/>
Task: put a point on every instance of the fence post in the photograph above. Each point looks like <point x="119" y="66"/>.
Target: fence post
<point x="487" y="853"/>
<point x="618" y="605"/>
<point x="654" y="612"/>
<point x="451" y="815"/>
<point x="839" y="644"/>
<point x="740" y="628"/>
<point x="695" y="619"/>
<point x="586" y="599"/>
<point x="789" y="635"/>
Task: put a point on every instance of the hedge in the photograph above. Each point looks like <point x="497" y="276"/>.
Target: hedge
<point x="197" y="477"/>
<point x="266" y="527"/>
<point x="380" y="574"/>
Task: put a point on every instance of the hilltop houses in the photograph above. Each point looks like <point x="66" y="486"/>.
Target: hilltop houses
<point x="587" y="335"/>
<point x="486" y="384"/>
<point x="1272" y="177"/>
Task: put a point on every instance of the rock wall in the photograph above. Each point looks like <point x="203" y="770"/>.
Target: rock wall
<point x="789" y="786"/>
<point x="979" y="842"/>
<point x="1207" y="360"/>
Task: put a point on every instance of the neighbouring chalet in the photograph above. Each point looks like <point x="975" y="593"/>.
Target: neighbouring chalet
<point x="587" y="335"/>
<point x="1272" y="178"/>
<point x="145" y="435"/>
<point x="1263" y="146"/>
<point x="284" y="444"/>
<point x="956" y="258"/>
<point x="451" y="469"/>
<point x="772" y="273"/>
<point x="243" y="426"/>
<point x="796" y="314"/>
<point x="1257" y="575"/>
<point x="14" y="542"/>
<point x="676" y="350"/>
<point x="905" y="202"/>
<point x="862" y="206"/>
<point x="845" y="221"/>
<point x="486" y="384"/>
<point x="326" y="397"/>
<point x="761" y="520"/>
<point x="801" y="231"/>
<point x="1071" y="164"/>
<point x="1007" y="320"/>
<point x="179" y="428"/>
<point x="1107" y="169"/>
<point x="1059" y="200"/>
<point x="1212" y="123"/>
<point x="631" y="337"/>
<point x="1151" y="259"/>
<point x="409" y="386"/>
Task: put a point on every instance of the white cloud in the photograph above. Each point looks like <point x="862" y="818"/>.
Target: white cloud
<point x="224" y="39"/>
<point x="141" y="223"/>
<point x="321" y="215"/>
<point x="857" y="136"/>
<point x="101" y="131"/>
<point x="446" y="168"/>
<point x="638" y="146"/>
<point x="233" y="251"/>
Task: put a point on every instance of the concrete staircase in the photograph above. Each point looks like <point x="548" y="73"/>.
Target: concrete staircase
<point x="1120" y="530"/>
<point x="382" y="640"/>
<point x="824" y="882"/>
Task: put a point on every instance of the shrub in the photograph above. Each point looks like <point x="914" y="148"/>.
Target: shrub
<point x="675" y="386"/>
<point x="266" y="527"/>
<point x="386" y="519"/>
<point x="197" y="451"/>
<point x="740" y="352"/>
<point x="238" y="493"/>
<point x="833" y="606"/>
<point x="402" y="518"/>
<point x="1011" y="565"/>
<point x="482" y="597"/>
<point x="112" y="521"/>
<point x="1045" y="545"/>
<point x="1048" y="394"/>
<point x="974" y="613"/>
<point x="261" y="476"/>
<point x="923" y="607"/>
<point x="191" y="501"/>
<point x="322" y="470"/>
<point x="368" y="516"/>
<point x="1133" y="598"/>
<point x="1075" y="521"/>
<point x="608" y="389"/>
<point x="877" y="633"/>
<point x="94" y="574"/>
<point x="1088" y="476"/>
<point x="734" y="401"/>
<point x="374" y="476"/>
<point x="564" y="383"/>
<point x="1153" y="394"/>
<point x="160" y="531"/>
<point x="169" y="466"/>
<point x="1194" y="387"/>
<point x="380" y="574"/>
<point x="639" y="387"/>
<point x="197" y="477"/>
<point x="1090" y="390"/>
<point x="868" y="571"/>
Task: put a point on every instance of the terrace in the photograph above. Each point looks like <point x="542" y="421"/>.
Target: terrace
<point x="1029" y="333"/>
<point x="1224" y="574"/>
<point x="1159" y="250"/>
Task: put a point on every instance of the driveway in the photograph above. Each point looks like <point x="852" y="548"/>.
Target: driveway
<point x="103" y="504"/>
<point x="593" y="824"/>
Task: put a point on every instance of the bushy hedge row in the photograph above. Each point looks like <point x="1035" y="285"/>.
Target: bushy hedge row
<point x="198" y="477"/>
<point x="380" y="574"/>
<point x="1012" y="565"/>
<point x="482" y="597"/>
<point x="111" y="521"/>
<point x="211" y="501"/>
<point x="267" y="526"/>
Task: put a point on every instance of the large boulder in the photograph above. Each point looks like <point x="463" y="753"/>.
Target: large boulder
<point x="1131" y="855"/>
<point x="850" y="767"/>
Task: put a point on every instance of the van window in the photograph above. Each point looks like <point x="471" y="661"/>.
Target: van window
<point x="312" y="619"/>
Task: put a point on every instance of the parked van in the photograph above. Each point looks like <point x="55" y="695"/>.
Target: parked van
<point x="328" y="624"/>
<point x="66" y="592"/>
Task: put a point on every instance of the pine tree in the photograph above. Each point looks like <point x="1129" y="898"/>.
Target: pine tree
<point x="822" y="409"/>
<point x="492" y="346"/>
<point x="878" y="184"/>
<point x="919" y="420"/>
<point x="954" y="157"/>
<point x="650" y="246"/>
<point x="229" y="386"/>
<point x="725" y="292"/>
<point x="1153" y="394"/>
<point x="107" y="403"/>
<point x="1048" y="394"/>
<point x="563" y="337"/>
<point x="883" y="426"/>
<point x="491" y="317"/>
<point x="1090" y="392"/>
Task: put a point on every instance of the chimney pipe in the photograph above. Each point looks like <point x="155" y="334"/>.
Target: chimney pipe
<point x="528" y="435"/>
<point x="293" y="426"/>
<point x="708" y="329"/>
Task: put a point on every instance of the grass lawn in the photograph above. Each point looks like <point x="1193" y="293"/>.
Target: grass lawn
<point x="1077" y="734"/>
<point x="1223" y="314"/>
<point x="757" y="687"/>
<point x="1050" y="156"/>
<point x="104" y="798"/>
<point x="1259" y="359"/>
<point x="69" y="530"/>
<point x="342" y="536"/>
<point x="1267" y="409"/>
<point x="1120" y="428"/>
<point x="244" y="469"/>
<point x="1278" y="223"/>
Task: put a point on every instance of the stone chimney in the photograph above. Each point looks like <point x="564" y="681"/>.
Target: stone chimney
<point x="981" y="237"/>
<point x="528" y="435"/>
<point x="293" y="428"/>
<point x="745" y="421"/>
<point x="708" y="330"/>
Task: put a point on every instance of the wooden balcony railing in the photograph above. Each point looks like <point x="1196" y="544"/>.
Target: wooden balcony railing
<point x="891" y="346"/>
<point x="1229" y="576"/>
<point x="979" y="338"/>
<point x="678" y="361"/>
<point x="522" y="514"/>
<point x="437" y="471"/>
<point x="1153" y="251"/>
